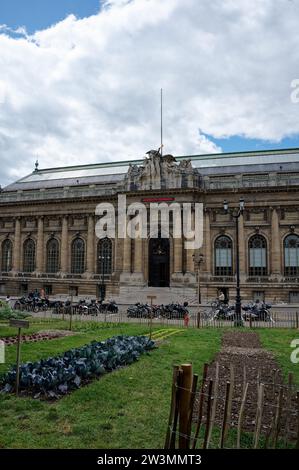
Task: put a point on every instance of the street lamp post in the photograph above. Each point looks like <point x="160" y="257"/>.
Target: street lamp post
<point x="198" y="259"/>
<point x="238" y="317"/>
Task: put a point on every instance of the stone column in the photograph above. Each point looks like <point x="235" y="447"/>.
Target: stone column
<point x="275" y="245"/>
<point x="127" y="255"/>
<point x="17" y="246"/>
<point x="208" y="242"/>
<point x="242" y="248"/>
<point x="90" y="245"/>
<point x="190" y="252"/>
<point x="178" y="258"/>
<point x="40" y="246"/>
<point x="138" y="256"/>
<point x="64" y="245"/>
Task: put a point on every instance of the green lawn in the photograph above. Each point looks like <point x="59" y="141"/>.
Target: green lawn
<point x="127" y="408"/>
<point x="278" y="341"/>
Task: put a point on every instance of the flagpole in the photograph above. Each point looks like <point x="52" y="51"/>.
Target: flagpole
<point x="161" y="122"/>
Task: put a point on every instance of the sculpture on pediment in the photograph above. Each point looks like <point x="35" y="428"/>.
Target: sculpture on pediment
<point x="186" y="164"/>
<point x="159" y="171"/>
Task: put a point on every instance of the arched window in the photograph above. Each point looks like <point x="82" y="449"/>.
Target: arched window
<point x="78" y="256"/>
<point x="105" y="256"/>
<point x="6" y="264"/>
<point x="257" y="256"/>
<point x="52" y="256"/>
<point x="291" y="255"/>
<point x="29" y="256"/>
<point x="223" y="256"/>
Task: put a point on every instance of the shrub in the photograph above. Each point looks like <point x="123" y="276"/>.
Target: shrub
<point x="6" y="312"/>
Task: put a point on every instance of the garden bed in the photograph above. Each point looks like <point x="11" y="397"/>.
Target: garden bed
<point x="54" y="377"/>
<point x="35" y="337"/>
<point x="242" y="352"/>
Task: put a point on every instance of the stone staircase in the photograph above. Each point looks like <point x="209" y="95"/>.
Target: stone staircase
<point x="129" y="295"/>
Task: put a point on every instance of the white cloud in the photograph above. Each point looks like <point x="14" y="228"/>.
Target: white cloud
<point x="88" y="90"/>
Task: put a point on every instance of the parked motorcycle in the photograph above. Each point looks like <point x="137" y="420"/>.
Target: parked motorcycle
<point x="259" y="311"/>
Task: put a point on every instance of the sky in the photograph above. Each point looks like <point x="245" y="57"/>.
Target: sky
<point x="80" y="80"/>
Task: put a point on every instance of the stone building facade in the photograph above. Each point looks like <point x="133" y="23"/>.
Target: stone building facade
<point x="48" y="219"/>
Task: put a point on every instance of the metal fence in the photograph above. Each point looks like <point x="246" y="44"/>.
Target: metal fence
<point x="197" y="319"/>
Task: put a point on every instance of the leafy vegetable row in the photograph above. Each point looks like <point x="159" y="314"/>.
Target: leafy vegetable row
<point x="55" y="376"/>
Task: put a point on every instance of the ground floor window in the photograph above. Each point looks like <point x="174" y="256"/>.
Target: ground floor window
<point x="294" y="297"/>
<point x="258" y="295"/>
<point x="74" y="290"/>
<point x="48" y="289"/>
<point x="24" y="288"/>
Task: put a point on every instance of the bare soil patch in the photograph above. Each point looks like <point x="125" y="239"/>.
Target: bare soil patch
<point x="35" y="337"/>
<point x="242" y="353"/>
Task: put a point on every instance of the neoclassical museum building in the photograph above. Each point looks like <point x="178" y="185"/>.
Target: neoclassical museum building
<point x="48" y="219"/>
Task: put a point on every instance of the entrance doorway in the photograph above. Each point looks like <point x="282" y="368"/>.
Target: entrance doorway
<point x="225" y="291"/>
<point x="158" y="262"/>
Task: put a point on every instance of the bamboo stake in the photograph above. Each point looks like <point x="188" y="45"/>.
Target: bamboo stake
<point x="277" y="418"/>
<point x="200" y="405"/>
<point x="184" y="437"/>
<point x="241" y="413"/>
<point x="176" y="410"/>
<point x="230" y="398"/>
<point x="259" y="414"/>
<point x="210" y="400"/>
<point x="227" y="393"/>
<point x="172" y="405"/>
<point x="215" y="396"/>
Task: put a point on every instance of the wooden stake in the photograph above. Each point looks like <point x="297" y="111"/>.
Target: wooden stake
<point x="230" y="399"/>
<point x="222" y="437"/>
<point x="210" y="399"/>
<point x="18" y="361"/>
<point x="277" y="418"/>
<point x="176" y="409"/>
<point x="297" y="443"/>
<point x="172" y="405"/>
<point x="288" y="406"/>
<point x="193" y="395"/>
<point x="241" y="413"/>
<point x="200" y="405"/>
<point x="244" y="378"/>
<point x="215" y="396"/>
<point x="198" y="319"/>
<point x="186" y="387"/>
<point x="259" y="414"/>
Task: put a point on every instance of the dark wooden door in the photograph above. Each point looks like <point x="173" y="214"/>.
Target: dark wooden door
<point x="158" y="261"/>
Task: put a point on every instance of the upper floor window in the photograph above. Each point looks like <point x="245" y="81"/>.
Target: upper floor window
<point x="291" y="255"/>
<point x="29" y="256"/>
<point x="105" y="256"/>
<point x="78" y="256"/>
<point x="257" y="256"/>
<point x="6" y="264"/>
<point x="52" y="256"/>
<point x="223" y="256"/>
